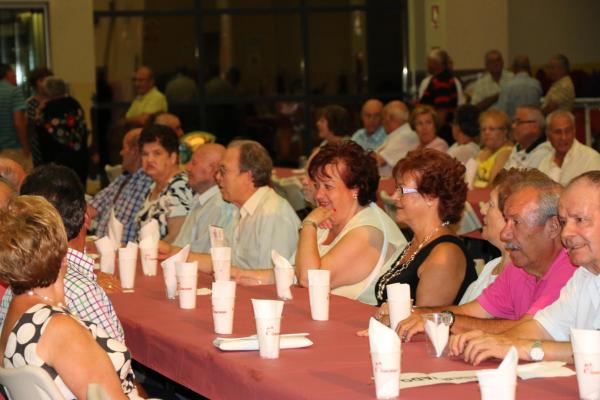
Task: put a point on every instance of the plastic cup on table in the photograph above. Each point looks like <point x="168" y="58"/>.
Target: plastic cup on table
<point x="586" y="352"/>
<point x="127" y="265"/>
<point x="223" y="306"/>
<point x="267" y="314"/>
<point x="187" y="282"/>
<point x="437" y="333"/>
<point x="149" y="256"/>
<point x="221" y="261"/>
<point x="318" y="292"/>
<point x="386" y="372"/>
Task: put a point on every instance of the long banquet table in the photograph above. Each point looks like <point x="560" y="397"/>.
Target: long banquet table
<point x="178" y="344"/>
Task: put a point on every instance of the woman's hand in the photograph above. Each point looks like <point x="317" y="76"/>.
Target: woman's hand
<point x="321" y="217"/>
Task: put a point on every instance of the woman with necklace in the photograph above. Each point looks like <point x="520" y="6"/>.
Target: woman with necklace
<point x="429" y="197"/>
<point x="38" y="329"/>
<point x="170" y="197"/>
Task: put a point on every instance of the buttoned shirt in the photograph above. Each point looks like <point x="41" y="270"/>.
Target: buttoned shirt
<point x="84" y="297"/>
<point x="208" y="208"/>
<point x="369" y="142"/>
<point x="522" y="90"/>
<point x="577" y="307"/>
<point x="152" y="102"/>
<point x="516" y="293"/>
<point x="131" y="198"/>
<point x="579" y="159"/>
<point x="531" y="157"/>
<point x="486" y="86"/>
<point x="562" y="93"/>
<point x="395" y="146"/>
<point x="265" y="222"/>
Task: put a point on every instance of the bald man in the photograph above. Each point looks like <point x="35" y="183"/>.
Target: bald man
<point x="170" y="120"/>
<point x="208" y="207"/>
<point x="12" y="171"/>
<point x="148" y="99"/>
<point x="126" y="194"/>
<point x="372" y="134"/>
<point x="400" y="137"/>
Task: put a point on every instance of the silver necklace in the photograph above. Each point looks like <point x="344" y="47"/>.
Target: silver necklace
<point x="46" y="298"/>
<point x="395" y="271"/>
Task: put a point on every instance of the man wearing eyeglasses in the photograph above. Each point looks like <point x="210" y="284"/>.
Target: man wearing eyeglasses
<point x="528" y="132"/>
<point x="149" y="99"/>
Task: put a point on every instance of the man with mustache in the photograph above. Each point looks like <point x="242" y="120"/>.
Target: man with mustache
<point x="546" y="336"/>
<point x="539" y="265"/>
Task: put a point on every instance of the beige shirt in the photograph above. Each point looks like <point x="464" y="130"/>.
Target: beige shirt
<point x="562" y="92"/>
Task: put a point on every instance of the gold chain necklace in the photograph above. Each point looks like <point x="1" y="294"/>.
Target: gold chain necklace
<point x="394" y="271"/>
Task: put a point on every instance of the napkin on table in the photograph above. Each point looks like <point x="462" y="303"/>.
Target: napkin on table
<point x="438" y="334"/>
<point x="115" y="229"/>
<point x="284" y="275"/>
<point x="286" y="341"/>
<point x="500" y="383"/>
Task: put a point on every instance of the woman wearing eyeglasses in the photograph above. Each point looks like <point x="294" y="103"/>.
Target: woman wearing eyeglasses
<point x="430" y="196"/>
<point x="494" y="127"/>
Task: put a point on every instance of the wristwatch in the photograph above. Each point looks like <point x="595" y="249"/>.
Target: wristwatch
<point x="536" y="353"/>
<point x="448" y="317"/>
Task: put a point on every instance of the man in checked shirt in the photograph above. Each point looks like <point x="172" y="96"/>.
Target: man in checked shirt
<point x="84" y="297"/>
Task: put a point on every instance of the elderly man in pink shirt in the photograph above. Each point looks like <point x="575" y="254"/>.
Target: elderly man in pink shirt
<point x="539" y="269"/>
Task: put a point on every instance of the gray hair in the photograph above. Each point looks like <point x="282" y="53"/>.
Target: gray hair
<point x="537" y="115"/>
<point x="254" y="158"/>
<point x="559" y="113"/>
<point x="396" y="111"/>
<point x="548" y="195"/>
<point x="55" y="87"/>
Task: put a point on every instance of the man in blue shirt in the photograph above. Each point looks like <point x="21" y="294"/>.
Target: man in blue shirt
<point x="13" y="132"/>
<point x="372" y="135"/>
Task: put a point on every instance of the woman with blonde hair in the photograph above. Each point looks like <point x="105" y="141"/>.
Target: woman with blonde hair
<point x="425" y="121"/>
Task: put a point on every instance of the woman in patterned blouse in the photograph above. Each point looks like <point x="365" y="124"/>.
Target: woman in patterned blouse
<point x="170" y="197"/>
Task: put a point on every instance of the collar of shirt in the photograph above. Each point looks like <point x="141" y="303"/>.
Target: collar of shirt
<point x="561" y="259"/>
<point x="252" y="203"/>
<point x="79" y="261"/>
<point x="595" y="297"/>
<point x="541" y="139"/>
<point x="207" y="195"/>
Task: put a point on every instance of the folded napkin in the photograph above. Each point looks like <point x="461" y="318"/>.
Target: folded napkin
<point x="115" y="229"/>
<point x="385" y="359"/>
<point x="169" y="273"/>
<point x="150" y="230"/>
<point x="217" y="236"/>
<point x="399" y="303"/>
<point x="438" y="334"/>
<point x="107" y="249"/>
<point x="382" y="339"/>
<point x="500" y="383"/>
<point x="284" y="275"/>
<point x="286" y="341"/>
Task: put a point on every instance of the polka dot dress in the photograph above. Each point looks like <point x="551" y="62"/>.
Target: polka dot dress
<point x="22" y="342"/>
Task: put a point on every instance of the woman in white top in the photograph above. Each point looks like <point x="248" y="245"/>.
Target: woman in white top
<point x="425" y="121"/>
<point x="493" y="223"/>
<point x="347" y="233"/>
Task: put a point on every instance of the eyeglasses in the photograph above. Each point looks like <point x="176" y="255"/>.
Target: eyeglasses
<point x="523" y="121"/>
<point x="401" y="190"/>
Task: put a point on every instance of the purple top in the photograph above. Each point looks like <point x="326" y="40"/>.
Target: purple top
<point x="516" y="293"/>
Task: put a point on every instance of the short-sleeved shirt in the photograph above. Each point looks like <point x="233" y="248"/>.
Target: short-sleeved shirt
<point x="395" y="146"/>
<point x="369" y="142"/>
<point x="562" y="93"/>
<point x="516" y="293"/>
<point x="11" y="101"/>
<point x="133" y="191"/>
<point x="486" y="86"/>
<point x="579" y="159"/>
<point x="174" y="201"/>
<point x="152" y="102"/>
<point x="577" y="307"/>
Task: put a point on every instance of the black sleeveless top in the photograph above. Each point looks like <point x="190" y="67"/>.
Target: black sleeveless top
<point x="410" y="276"/>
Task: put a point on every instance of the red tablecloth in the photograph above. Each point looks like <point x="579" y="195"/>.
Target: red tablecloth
<point x="178" y="344"/>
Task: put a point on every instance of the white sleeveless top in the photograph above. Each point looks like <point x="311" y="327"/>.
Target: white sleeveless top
<point x="373" y="216"/>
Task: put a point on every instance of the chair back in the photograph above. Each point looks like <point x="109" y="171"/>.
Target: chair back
<point x="29" y="383"/>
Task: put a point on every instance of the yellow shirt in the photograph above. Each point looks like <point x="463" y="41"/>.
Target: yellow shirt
<point x="149" y="103"/>
<point x="484" y="168"/>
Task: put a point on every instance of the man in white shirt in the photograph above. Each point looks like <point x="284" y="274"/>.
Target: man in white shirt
<point x="569" y="157"/>
<point x="400" y="137"/>
<point x="486" y="89"/>
<point x="531" y="144"/>
<point x="208" y="207"/>
<point x="372" y="134"/>
<point x="546" y="336"/>
<point x="262" y="221"/>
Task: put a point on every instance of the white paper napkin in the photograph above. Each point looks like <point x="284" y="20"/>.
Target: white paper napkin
<point x="385" y="359"/>
<point x="382" y="339"/>
<point x="267" y="308"/>
<point x="168" y="266"/>
<point x="286" y="341"/>
<point x="500" y="383"/>
<point x="150" y="230"/>
<point x="438" y="334"/>
<point x="115" y="229"/>
<point x="284" y="275"/>
<point x="399" y="303"/>
<point x="107" y="250"/>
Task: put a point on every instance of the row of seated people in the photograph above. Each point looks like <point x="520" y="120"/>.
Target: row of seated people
<point x="345" y="233"/>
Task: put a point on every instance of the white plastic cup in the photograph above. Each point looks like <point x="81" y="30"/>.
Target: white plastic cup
<point x="319" y="302"/>
<point x="223" y="311"/>
<point x="187" y="285"/>
<point x="494" y="386"/>
<point x="284" y="278"/>
<point x="587" y="367"/>
<point x="221" y="261"/>
<point x="127" y="264"/>
<point x="149" y="257"/>
<point x="386" y="371"/>
<point x="170" y="280"/>
<point x="267" y="330"/>
<point x="437" y="332"/>
<point x="107" y="262"/>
